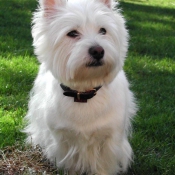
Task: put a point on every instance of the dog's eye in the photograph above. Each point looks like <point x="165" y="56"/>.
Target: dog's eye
<point x="73" y="34"/>
<point x="102" y="31"/>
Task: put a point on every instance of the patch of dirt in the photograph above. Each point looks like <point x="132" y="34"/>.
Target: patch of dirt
<point x="23" y="160"/>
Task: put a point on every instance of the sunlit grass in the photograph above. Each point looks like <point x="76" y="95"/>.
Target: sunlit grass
<point x="17" y="74"/>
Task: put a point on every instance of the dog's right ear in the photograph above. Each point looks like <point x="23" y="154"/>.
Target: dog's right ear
<point x="49" y="6"/>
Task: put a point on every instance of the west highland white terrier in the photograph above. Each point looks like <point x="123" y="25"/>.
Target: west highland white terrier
<point x="81" y="106"/>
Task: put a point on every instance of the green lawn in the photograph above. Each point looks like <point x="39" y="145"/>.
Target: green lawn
<point x="17" y="67"/>
<point x="150" y="68"/>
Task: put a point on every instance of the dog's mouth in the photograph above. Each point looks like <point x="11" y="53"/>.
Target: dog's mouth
<point x="95" y="64"/>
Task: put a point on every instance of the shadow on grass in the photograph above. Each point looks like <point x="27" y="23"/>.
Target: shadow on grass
<point x="151" y="29"/>
<point x="153" y="137"/>
<point x="151" y="68"/>
<point x="15" y="19"/>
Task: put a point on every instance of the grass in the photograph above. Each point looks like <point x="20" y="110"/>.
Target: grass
<point x="17" y="67"/>
<point x="150" y="67"/>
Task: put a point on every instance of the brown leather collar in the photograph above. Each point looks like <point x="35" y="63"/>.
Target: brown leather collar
<point x="81" y="97"/>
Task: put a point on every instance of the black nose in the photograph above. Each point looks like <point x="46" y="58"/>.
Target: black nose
<point x="97" y="52"/>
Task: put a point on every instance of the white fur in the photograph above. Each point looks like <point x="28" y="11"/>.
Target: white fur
<point x="82" y="137"/>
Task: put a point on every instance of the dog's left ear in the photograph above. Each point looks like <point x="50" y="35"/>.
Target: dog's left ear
<point x="108" y="3"/>
<point x="50" y="6"/>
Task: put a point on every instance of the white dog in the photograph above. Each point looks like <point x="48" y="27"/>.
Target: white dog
<point x="81" y="106"/>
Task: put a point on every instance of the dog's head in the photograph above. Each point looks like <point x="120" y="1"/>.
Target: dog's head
<point x="82" y="42"/>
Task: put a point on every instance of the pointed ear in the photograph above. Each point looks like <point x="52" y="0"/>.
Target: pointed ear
<point x="49" y="5"/>
<point x="108" y="3"/>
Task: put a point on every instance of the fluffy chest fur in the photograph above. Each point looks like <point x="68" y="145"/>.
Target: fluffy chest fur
<point x="98" y="112"/>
